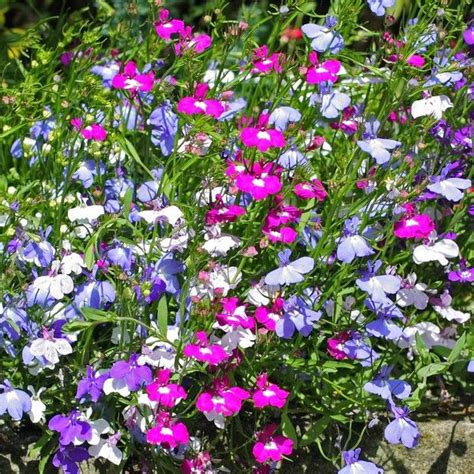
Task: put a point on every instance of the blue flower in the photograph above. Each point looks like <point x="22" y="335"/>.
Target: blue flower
<point x="14" y="401"/>
<point x="289" y="272"/>
<point x="377" y="148"/>
<point x="296" y="315"/>
<point x="384" y="387"/>
<point x="377" y="286"/>
<point x="354" y="466"/>
<point x="378" y="6"/>
<point x="164" y="124"/>
<point x="352" y="245"/>
<point x="282" y="116"/>
<point x="324" y="37"/>
<point x="402" y="429"/>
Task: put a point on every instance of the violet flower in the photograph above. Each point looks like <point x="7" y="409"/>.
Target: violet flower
<point x="354" y="466"/>
<point x="72" y="428"/>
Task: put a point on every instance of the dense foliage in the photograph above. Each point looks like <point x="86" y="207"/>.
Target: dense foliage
<point x="227" y="246"/>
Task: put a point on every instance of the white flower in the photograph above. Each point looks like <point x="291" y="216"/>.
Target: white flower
<point x="104" y="447"/>
<point x="87" y="214"/>
<point x="239" y="337"/>
<point x="440" y="251"/>
<point x="451" y="314"/>
<point x="56" y="286"/>
<point x="159" y="353"/>
<point x="450" y="188"/>
<point x="49" y="348"/>
<point x="413" y="294"/>
<point x="219" y="244"/>
<point x="170" y="214"/>
<point x="72" y="263"/>
<point x="434" y="106"/>
<point x="38" y="408"/>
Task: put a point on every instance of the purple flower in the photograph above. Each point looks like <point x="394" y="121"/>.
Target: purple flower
<point x="385" y="388"/>
<point x="354" y="466"/>
<point x="449" y="188"/>
<point x="127" y="376"/>
<point x="468" y="35"/>
<point x="462" y="275"/>
<point x="378" y="6"/>
<point x="94" y="294"/>
<point x="14" y="401"/>
<point x="323" y="36"/>
<point x="164" y="124"/>
<point x="289" y="272"/>
<point x="352" y="245"/>
<point x="40" y="253"/>
<point x="166" y="270"/>
<point x="402" y="429"/>
<point x="357" y="348"/>
<point x="378" y="286"/>
<point x="68" y="457"/>
<point x="377" y="148"/>
<point x="91" y="385"/>
<point x="148" y="191"/>
<point x="121" y="256"/>
<point x="72" y="428"/>
<point x="297" y="315"/>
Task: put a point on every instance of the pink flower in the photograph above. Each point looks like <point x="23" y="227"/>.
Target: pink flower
<point x="166" y="394"/>
<point x="222" y="399"/>
<point x="90" y="132"/>
<point x="269" y="317"/>
<point x="416" y="60"/>
<point x="165" y="27"/>
<point x="234" y="314"/>
<point x="197" y="43"/>
<point x="311" y="190"/>
<point x="205" y="352"/>
<point x="416" y="226"/>
<point x="201" y="464"/>
<point x="322" y="72"/>
<point x="287" y="235"/>
<point x="131" y="80"/>
<point x="268" y="394"/>
<point x="223" y="213"/>
<point x="262" y="138"/>
<point x="260" y="183"/>
<point x="269" y="447"/>
<point x="283" y="215"/>
<point x="263" y="63"/>
<point x="167" y="432"/>
<point x="335" y="345"/>
<point x="199" y="105"/>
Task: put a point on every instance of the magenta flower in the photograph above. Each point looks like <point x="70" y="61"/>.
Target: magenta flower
<point x="197" y="43"/>
<point x="205" y="352"/>
<point x="261" y="137"/>
<point x="131" y="80"/>
<point x="322" y="72"/>
<point x="221" y="212"/>
<point x="269" y="447"/>
<point x="286" y="235"/>
<point x="200" y="464"/>
<point x="261" y="182"/>
<point x="269" y="317"/>
<point x="198" y="104"/>
<point x="268" y="394"/>
<point x="313" y="189"/>
<point x="415" y="60"/>
<point x="222" y="399"/>
<point x="166" y="394"/>
<point x="90" y="132"/>
<point x="167" y="432"/>
<point x="165" y="27"/>
<point x="416" y="226"/>
<point x="264" y="63"/>
<point x="335" y="345"/>
<point x="234" y="315"/>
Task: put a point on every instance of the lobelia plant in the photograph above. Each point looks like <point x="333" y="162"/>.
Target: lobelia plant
<point x="238" y="245"/>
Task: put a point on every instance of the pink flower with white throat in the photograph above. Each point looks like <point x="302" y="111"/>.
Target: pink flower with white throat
<point x="167" y="432"/>
<point x="233" y="315"/>
<point x="412" y="225"/>
<point x="322" y="72"/>
<point x="261" y="137"/>
<point x="313" y="189"/>
<point x="261" y="181"/>
<point x="198" y="104"/>
<point x="268" y="394"/>
<point x="221" y="401"/>
<point x="93" y="131"/>
<point x="130" y="79"/>
<point x="213" y="354"/>
<point x="264" y="62"/>
<point x="164" y="393"/>
<point x="270" y="447"/>
<point x="166" y="27"/>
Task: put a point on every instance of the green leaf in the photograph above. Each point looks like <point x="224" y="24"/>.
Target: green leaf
<point x="432" y="369"/>
<point x="127" y="202"/>
<point x="163" y="316"/>
<point x="288" y="429"/>
<point x="315" y="431"/>
<point x="458" y="347"/>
